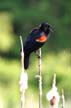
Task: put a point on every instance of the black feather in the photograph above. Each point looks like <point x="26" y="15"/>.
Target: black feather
<point x="31" y="44"/>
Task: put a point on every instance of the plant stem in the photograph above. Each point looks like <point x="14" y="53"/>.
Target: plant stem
<point x="22" y="92"/>
<point x="40" y="78"/>
<point x="63" y="99"/>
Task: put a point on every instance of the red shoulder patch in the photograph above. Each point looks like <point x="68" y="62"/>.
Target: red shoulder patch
<point x="42" y="38"/>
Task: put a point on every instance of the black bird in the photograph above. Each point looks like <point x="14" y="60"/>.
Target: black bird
<point x="35" y="40"/>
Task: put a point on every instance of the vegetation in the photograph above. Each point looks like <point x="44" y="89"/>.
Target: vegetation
<point x="18" y="17"/>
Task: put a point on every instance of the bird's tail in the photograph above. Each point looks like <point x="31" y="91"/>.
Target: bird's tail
<point x="26" y="61"/>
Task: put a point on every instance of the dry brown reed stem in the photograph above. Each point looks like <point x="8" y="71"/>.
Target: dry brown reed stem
<point x="40" y="78"/>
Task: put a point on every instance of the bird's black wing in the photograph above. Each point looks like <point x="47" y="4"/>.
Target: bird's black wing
<point x="32" y="35"/>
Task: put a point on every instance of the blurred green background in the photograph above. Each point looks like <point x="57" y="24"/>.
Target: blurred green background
<point x="18" y="17"/>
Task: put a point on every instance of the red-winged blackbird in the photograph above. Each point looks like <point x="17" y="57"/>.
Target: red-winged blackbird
<point x="35" y="40"/>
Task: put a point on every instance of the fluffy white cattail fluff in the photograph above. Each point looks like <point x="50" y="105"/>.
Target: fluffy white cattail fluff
<point x="53" y="96"/>
<point x="23" y="81"/>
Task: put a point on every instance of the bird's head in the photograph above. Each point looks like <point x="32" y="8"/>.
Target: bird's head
<point x="45" y="27"/>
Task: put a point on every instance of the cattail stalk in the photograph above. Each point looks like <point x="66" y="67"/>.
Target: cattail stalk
<point x="63" y="99"/>
<point x="53" y="95"/>
<point x="23" y="83"/>
<point x="22" y="54"/>
<point x="40" y="78"/>
<point x="54" y="81"/>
